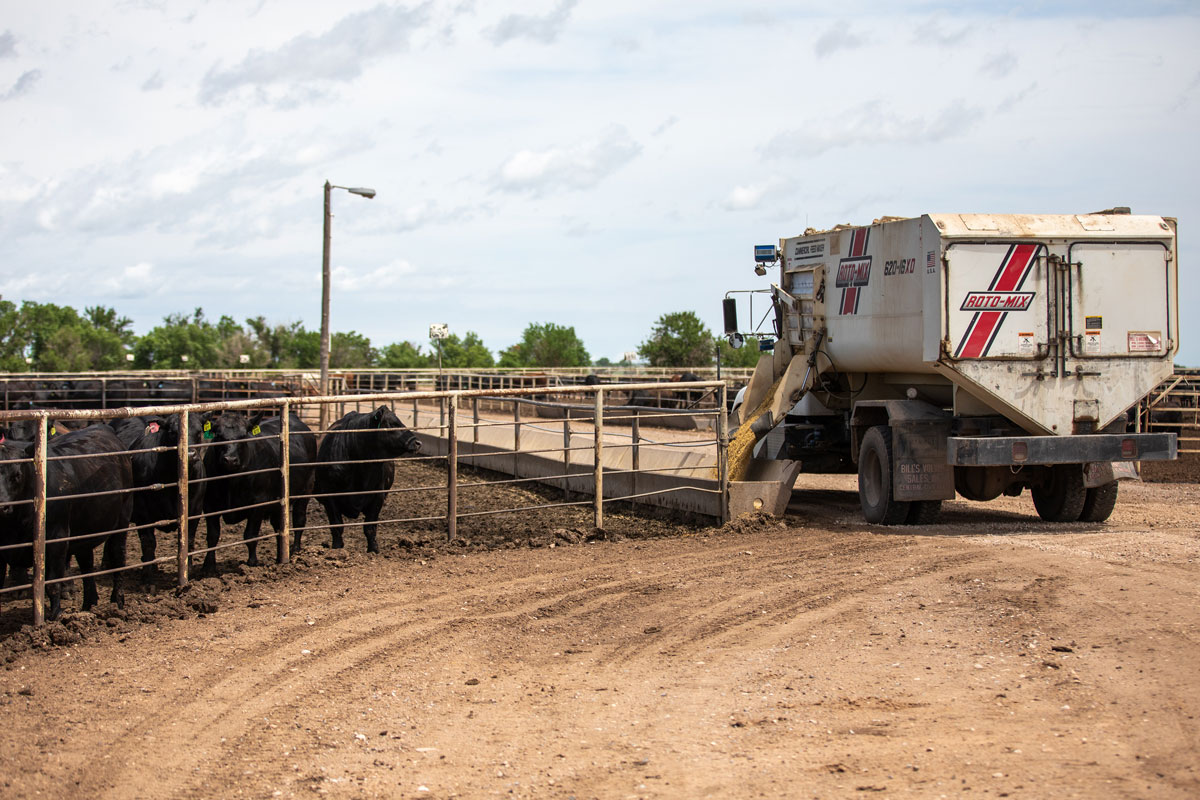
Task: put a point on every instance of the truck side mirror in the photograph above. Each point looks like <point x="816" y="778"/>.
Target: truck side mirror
<point x="729" y="307"/>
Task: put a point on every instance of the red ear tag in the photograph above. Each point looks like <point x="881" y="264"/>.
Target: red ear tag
<point x="1" y="438"/>
<point x="152" y="427"/>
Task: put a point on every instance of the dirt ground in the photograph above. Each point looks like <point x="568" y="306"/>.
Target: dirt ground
<point x="816" y="656"/>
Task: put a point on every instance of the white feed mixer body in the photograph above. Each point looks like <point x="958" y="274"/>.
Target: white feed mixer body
<point x="977" y="344"/>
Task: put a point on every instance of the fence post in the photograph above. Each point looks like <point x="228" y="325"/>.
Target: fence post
<point x="475" y="418"/>
<point x="516" y="433"/>
<point x="416" y="422"/>
<point x="598" y="469"/>
<point x="452" y="473"/>
<point x="181" y="453"/>
<point x="283" y="551"/>
<point x="39" y="522"/>
<point x="104" y="392"/>
<point x="442" y="415"/>
<point x="635" y="451"/>
<point x="723" y="453"/>
<point x="567" y="455"/>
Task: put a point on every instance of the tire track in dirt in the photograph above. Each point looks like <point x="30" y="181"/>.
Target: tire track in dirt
<point x="229" y="704"/>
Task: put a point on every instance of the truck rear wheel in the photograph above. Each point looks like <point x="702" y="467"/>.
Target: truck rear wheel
<point x="875" y="479"/>
<point x="923" y="512"/>
<point x="1062" y="497"/>
<point x="1099" y="503"/>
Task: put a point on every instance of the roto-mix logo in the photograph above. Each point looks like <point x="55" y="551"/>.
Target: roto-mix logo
<point x="854" y="272"/>
<point x="997" y="301"/>
<point x="1002" y="296"/>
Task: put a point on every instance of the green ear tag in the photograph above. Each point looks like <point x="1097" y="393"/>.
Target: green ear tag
<point x="255" y="431"/>
<point x="208" y="436"/>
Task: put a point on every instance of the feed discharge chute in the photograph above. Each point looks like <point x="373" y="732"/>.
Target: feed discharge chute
<point x="974" y="354"/>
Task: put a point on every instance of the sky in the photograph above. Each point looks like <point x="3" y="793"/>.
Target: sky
<point x="590" y="164"/>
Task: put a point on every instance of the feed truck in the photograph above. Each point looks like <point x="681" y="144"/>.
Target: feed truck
<point x="977" y="354"/>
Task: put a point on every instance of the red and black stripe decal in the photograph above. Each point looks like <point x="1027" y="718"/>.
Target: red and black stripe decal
<point x="858" y="248"/>
<point x="983" y="327"/>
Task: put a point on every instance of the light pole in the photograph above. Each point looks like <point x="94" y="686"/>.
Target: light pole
<point x="367" y="193"/>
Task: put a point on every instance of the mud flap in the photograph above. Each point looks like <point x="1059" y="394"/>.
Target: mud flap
<point x="1099" y="473"/>
<point x="920" y="471"/>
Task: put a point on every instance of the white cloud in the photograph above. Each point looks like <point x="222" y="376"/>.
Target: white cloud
<point x="135" y="280"/>
<point x="154" y="82"/>
<point x="389" y="276"/>
<point x="932" y="32"/>
<point x="838" y="37"/>
<point x="873" y="124"/>
<point x="8" y="45"/>
<point x="294" y="73"/>
<point x="1000" y="65"/>
<point x="23" y="86"/>
<point x="579" y="167"/>
<point x="544" y="29"/>
<point x="748" y="197"/>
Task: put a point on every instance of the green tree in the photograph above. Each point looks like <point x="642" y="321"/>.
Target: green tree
<point x="465" y="353"/>
<point x="403" y="355"/>
<point x="12" y="339"/>
<point x="286" y="346"/>
<point x="744" y="356"/>
<point x="679" y="339"/>
<point x="547" y="345"/>
<point x="350" y="351"/>
<point x="164" y="346"/>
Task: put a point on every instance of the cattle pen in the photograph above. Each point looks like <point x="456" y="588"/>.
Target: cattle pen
<point x="571" y="446"/>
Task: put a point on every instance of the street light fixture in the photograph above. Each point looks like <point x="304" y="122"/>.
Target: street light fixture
<point x="362" y="192"/>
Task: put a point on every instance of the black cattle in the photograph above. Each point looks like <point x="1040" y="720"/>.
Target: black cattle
<point x="686" y="398"/>
<point x="370" y="443"/>
<point x="643" y="398"/>
<point x="157" y="509"/>
<point x="127" y="392"/>
<point x="128" y="429"/>
<point x="107" y="468"/>
<point x="239" y="447"/>
<point x="25" y="430"/>
<point x="171" y="392"/>
<point x="18" y="394"/>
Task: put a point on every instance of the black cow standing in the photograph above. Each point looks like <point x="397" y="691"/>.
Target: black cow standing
<point x="370" y="442"/>
<point x="239" y="447"/>
<point x="162" y="470"/>
<point x="687" y="398"/>
<point x="106" y="469"/>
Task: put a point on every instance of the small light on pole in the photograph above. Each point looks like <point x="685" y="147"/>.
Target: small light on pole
<point x="361" y="192"/>
<point x="439" y="331"/>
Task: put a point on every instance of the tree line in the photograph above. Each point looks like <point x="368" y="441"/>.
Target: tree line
<point x="45" y="337"/>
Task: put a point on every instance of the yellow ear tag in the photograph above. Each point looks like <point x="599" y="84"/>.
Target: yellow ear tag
<point x="208" y="426"/>
<point x="255" y="431"/>
<point x="53" y="430"/>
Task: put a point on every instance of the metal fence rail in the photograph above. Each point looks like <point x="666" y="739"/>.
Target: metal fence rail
<point x="495" y="445"/>
<point x="1174" y="407"/>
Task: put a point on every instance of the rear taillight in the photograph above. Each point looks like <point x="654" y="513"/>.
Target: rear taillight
<point x="1020" y="452"/>
<point x="1129" y="448"/>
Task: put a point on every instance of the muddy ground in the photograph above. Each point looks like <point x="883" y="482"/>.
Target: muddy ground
<point x="816" y="656"/>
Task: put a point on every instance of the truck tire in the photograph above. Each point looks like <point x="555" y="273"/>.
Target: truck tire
<point x="1061" y="498"/>
<point x="1099" y="503"/>
<point x="923" y="512"/>
<point x="875" y="479"/>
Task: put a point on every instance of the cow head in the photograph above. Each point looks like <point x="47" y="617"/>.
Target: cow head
<point x="15" y="477"/>
<point x="393" y="438"/>
<point x="195" y="437"/>
<point x="229" y="431"/>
